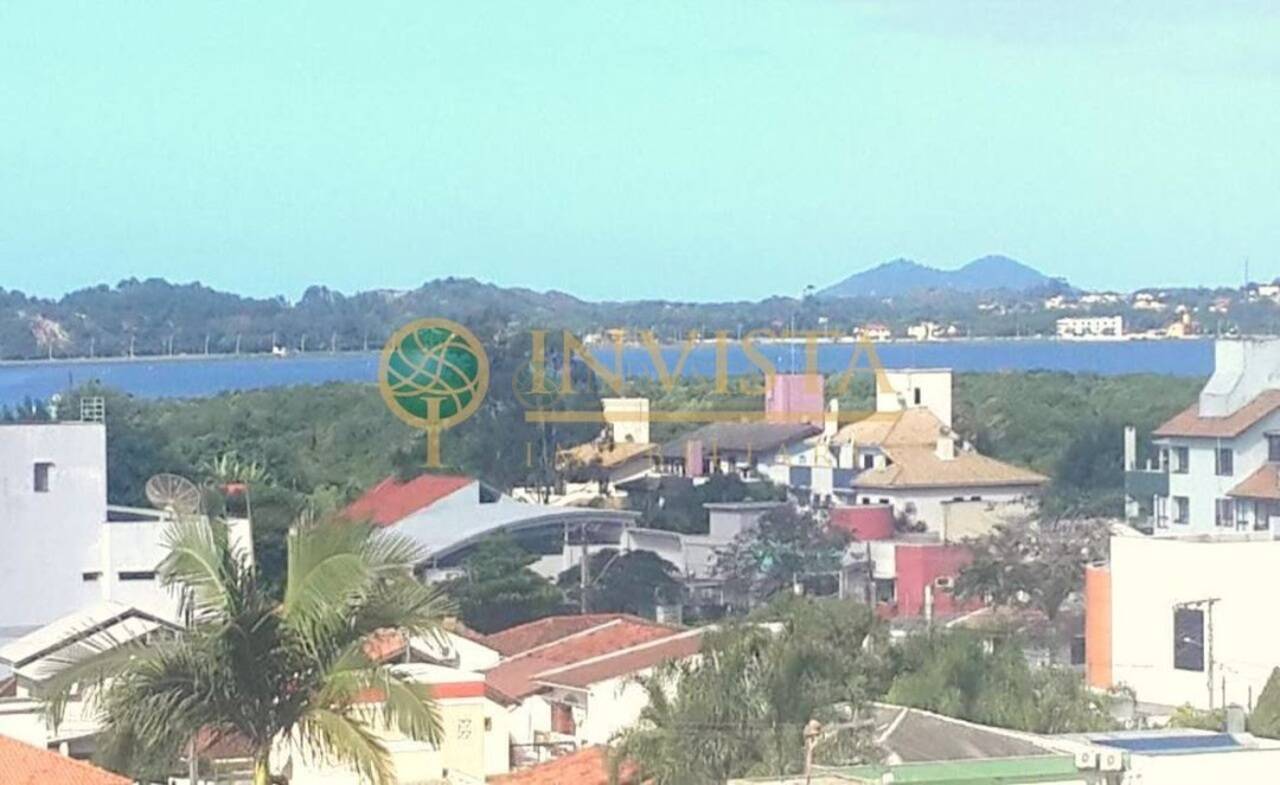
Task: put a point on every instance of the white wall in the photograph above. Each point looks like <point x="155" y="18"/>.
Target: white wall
<point x="1149" y="576"/>
<point x="934" y="385"/>
<point x="46" y="537"/>
<point x="1201" y="485"/>
<point x="928" y="505"/>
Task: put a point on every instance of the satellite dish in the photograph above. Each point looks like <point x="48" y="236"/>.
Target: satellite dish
<point x="174" y="493"/>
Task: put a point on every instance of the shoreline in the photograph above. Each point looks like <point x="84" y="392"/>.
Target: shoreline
<point x="601" y="345"/>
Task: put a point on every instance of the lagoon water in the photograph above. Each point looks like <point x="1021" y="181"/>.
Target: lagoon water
<point x="201" y="376"/>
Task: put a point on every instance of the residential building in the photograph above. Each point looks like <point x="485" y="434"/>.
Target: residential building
<point x="1090" y="327"/>
<point x="925" y="331"/>
<point x="1178" y="756"/>
<point x="1217" y="463"/>
<point x="875" y="331"/>
<point x="795" y="398"/>
<point x="1182" y="620"/>
<point x="1148" y="301"/>
<point x="41" y="654"/>
<point x="449" y="514"/>
<point x="65" y="546"/>
<point x="745" y="448"/>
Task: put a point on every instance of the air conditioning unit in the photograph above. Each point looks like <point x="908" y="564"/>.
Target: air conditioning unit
<point x="1087" y="759"/>
<point x="944" y="582"/>
<point x="1111" y="760"/>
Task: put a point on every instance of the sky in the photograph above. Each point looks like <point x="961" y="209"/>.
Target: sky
<point x="691" y="150"/>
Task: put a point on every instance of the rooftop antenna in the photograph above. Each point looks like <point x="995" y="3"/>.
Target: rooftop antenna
<point x="173" y="493"/>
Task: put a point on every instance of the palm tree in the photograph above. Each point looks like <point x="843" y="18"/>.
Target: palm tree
<point x="267" y="671"/>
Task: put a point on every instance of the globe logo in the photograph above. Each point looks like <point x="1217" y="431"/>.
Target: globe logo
<point x="433" y="375"/>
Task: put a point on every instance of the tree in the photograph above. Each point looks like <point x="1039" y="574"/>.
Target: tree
<point x="262" y="670"/>
<point x="1265" y="720"/>
<point x="780" y="551"/>
<point x="499" y="590"/>
<point x="632" y="582"/>
<point x="1035" y="565"/>
<point x="740" y="709"/>
<point x="954" y="673"/>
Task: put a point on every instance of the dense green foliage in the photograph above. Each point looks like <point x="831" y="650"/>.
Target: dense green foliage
<point x="499" y="590"/>
<point x="633" y="582"/>
<point x="155" y="317"/>
<point x="1032" y="564"/>
<point x="954" y="673"/>
<point x="251" y="667"/>
<point x="740" y="710"/>
<point x="1265" y="720"/>
<point x="785" y="548"/>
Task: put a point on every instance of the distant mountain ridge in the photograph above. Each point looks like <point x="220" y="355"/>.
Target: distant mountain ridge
<point x="904" y="276"/>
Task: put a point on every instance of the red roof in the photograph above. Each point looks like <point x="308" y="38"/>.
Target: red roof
<point x="516" y="677"/>
<point x="1262" y="484"/>
<point x="391" y="501"/>
<point x="628" y="661"/>
<point x="587" y="766"/>
<point x="23" y="764"/>
<point x="521" y="638"/>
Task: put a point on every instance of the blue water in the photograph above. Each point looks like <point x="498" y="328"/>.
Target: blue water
<point x="199" y="376"/>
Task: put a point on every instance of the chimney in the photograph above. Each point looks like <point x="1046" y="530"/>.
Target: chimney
<point x="946" y="449"/>
<point x="693" y="458"/>
<point x="832" y="422"/>
<point x="1130" y="448"/>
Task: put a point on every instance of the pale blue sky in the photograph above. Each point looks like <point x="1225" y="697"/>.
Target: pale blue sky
<point x="686" y="150"/>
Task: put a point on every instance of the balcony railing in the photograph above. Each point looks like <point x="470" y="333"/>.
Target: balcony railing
<point x="1143" y="483"/>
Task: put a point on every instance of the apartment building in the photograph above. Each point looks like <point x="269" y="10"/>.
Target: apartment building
<point x="1216" y="465"/>
<point x="1085" y="327"/>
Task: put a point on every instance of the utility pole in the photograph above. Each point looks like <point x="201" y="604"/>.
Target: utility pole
<point x="583" y="569"/>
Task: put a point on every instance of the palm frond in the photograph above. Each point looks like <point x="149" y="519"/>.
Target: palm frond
<point x="333" y="735"/>
<point x="200" y="561"/>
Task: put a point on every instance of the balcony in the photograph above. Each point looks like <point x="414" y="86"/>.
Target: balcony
<point x="1145" y="483"/>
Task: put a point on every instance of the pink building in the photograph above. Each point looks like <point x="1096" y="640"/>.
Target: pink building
<point x="795" y="398"/>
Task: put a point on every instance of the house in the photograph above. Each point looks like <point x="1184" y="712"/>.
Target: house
<point x="1181" y="620"/>
<point x="42" y="654"/>
<point x="745" y="448"/>
<point x="1217" y="464"/>
<point x="449" y="514"/>
<point x="924" y="331"/>
<point x="571" y="681"/>
<point x="1090" y="327"/>
<point x="621" y="453"/>
<point x="25" y="764"/>
<point x="875" y="331"/>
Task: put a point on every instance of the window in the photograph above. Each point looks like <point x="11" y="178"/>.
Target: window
<point x="916" y="393"/>
<point x="90" y="577"/>
<point x="40" y="481"/>
<point x="1223" y="460"/>
<point x="1181" y="509"/>
<point x="138" y="575"/>
<point x="562" y="719"/>
<point x="868" y="460"/>
<point x="1188" y="639"/>
<point x="1273" y="447"/>
<point x="1224" y="512"/>
<point x="1181" y="460"/>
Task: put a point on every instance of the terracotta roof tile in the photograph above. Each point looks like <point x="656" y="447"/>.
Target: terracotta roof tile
<point x="515" y="677"/>
<point x="23" y="764"/>
<point x="626" y="662"/>
<point x="521" y="638"/>
<point x="390" y="501"/>
<point x="920" y="467"/>
<point x="608" y="456"/>
<point x="1262" y="484"/>
<point x="587" y="766"/>
<point x="1188" y="422"/>
<point x="911" y="427"/>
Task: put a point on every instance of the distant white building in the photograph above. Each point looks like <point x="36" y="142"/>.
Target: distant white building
<point x="1085" y="327"/>
<point x="925" y="331"/>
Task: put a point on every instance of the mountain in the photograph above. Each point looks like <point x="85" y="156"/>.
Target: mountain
<point x="903" y="276"/>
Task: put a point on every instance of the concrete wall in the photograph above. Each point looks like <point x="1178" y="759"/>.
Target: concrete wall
<point x="1241" y="370"/>
<point x="929" y="505"/>
<point x="934" y="386"/>
<point x="919" y="566"/>
<point x="1150" y="576"/>
<point x="46" y="538"/>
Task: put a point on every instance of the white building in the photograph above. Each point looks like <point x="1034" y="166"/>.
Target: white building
<point x="1184" y="620"/>
<point x="1090" y="327"/>
<point x="1218" y="462"/>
